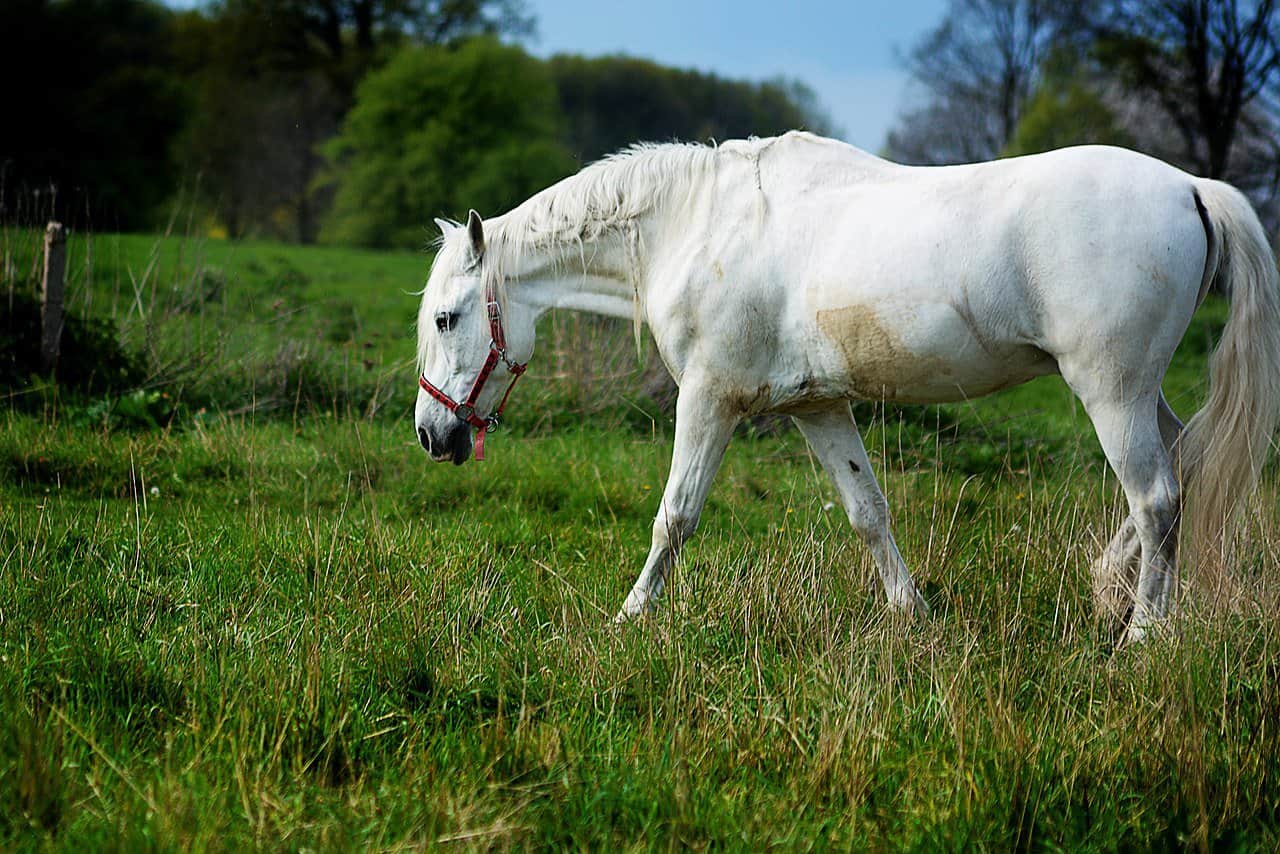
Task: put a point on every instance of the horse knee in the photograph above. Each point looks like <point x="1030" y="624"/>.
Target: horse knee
<point x="870" y="517"/>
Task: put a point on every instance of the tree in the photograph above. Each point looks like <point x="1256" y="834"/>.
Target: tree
<point x="272" y="81"/>
<point x="437" y="131"/>
<point x="1212" y="66"/>
<point x="255" y="151"/>
<point x="338" y="29"/>
<point x="1067" y="108"/>
<point x="93" y="103"/>
<point x="613" y="101"/>
<point x="447" y="21"/>
<point x="266" y="97"/>
<point x="978" y="68"/>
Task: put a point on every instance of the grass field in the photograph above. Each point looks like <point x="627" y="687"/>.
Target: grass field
<point x="239" y="607"/>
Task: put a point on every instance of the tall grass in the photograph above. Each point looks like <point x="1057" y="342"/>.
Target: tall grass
<point x="264" y="627"/>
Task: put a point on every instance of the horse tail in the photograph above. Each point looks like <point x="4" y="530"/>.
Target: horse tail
<point x="1224" y="446"/>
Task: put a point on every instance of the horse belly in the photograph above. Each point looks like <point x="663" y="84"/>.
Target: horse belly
<point x="930" y="354"/>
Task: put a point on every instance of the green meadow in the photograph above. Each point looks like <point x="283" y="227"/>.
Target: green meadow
<point x="239" y="607"/>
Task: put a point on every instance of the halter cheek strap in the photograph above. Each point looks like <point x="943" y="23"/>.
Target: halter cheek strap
<point x="466" y="410"/>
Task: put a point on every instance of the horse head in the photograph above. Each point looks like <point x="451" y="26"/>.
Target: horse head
<point x="472" y="345"/>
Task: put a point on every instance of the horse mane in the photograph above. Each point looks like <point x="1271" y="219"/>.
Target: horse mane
<point x="603" y="196"/>
<point x="607" y="197"/>
<point x="612" y="193"/>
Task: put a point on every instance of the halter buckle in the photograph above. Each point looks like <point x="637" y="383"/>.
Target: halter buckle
<point x="465" y="412"/>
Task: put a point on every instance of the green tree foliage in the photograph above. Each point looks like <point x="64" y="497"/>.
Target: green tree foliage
<point x="610" y="102"/>
<point x="437" y="131"/>
<point x="1195" y="82"/>
<point x="266" y="96"/>
<point x="92" y="103"/>
<point x="356" y="28"/>
<point x="447" y="21"/>
<point x="1065" y="110"/>
<point x="273" y="80"/>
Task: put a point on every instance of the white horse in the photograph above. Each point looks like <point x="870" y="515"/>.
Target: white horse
<point x="796" y="273"/>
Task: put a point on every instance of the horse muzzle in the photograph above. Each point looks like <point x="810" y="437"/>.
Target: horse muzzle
<point x="455" y="445"/>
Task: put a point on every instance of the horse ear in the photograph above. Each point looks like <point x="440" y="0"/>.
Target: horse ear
<point x="444" y="225"/>
<point x="475" y="230"/>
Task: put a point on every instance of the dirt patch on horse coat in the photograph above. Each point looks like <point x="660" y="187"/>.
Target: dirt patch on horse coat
<point x="877" y="362"/>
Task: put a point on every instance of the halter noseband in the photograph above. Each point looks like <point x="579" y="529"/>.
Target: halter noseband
<point x="466" y="410"/>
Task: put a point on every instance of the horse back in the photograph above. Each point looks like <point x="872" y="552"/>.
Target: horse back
<point x="843" y="275"/>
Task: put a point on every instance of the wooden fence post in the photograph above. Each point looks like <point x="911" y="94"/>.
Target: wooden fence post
<point x="55" y="269"/>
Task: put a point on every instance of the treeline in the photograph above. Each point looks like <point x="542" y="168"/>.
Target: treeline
<point x="1195" y="82"/>
<point x="350" y="121"/>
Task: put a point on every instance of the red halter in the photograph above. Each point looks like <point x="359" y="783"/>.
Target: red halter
<point x="466" y="411"/>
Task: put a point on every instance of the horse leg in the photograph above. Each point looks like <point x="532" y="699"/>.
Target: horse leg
<point x="1115" y="571"/>
<point x="834" y="438"/>
<point x="702" y="434"/>
<point x="1132" y="441"/>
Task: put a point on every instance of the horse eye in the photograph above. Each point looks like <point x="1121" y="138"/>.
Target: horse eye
<point x="445" y="320"/>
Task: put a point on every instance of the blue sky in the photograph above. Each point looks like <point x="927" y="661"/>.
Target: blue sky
<point x="847" y="51"/>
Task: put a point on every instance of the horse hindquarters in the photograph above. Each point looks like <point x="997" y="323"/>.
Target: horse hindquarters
<point x="1113" y="344"/>
<point x="1221" y="451"/>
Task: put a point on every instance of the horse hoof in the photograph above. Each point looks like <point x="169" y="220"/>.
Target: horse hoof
<point x="913" y="607"/>
<point x="1133" y="636"/>
<point x="1158" y="629"/>
<point x="921" y="608"/>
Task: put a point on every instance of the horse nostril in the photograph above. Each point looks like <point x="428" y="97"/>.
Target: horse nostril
<point x="424" y="439"/>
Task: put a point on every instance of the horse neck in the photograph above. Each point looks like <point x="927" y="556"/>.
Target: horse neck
<point x="597" y="274"/>
<point x="623" y="206"/>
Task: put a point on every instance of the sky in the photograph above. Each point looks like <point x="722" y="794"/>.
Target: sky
<point x="846" y="51"/>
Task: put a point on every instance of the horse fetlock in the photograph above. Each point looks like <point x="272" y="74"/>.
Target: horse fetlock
<point x="870" y="519"/>
<point x="674" y="528"/>
<point x="626" y="615"/>
<point x="1116" y="572"/>
<point x="643" y="596"/>
<point x="1133" y="635"/>
<point x="1115" y="578"/>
